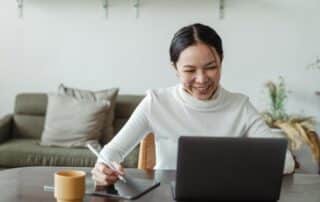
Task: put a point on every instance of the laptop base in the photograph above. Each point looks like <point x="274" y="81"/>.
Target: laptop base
<point x="173" y="188"/>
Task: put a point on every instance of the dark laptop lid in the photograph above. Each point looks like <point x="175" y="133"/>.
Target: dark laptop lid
<point x="214" y="168"/>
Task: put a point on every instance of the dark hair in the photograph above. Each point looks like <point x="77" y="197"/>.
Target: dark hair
<point x="191" y="35"/>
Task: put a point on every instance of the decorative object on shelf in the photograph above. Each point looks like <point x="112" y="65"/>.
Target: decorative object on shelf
<point x="298" y="129"/>
<point x="136" y="5"/>
<point x="20" y="8"/>
<point x="106" y="8"/>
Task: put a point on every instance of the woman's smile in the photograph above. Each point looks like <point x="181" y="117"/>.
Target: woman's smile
<point x="202" y="89"/>
<point x="206" y="90"/>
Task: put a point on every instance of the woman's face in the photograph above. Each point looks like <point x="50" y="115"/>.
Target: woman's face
<point x="199" y="69"/>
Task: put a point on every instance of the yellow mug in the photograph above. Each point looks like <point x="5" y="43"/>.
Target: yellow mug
<point x="69" y="185"/>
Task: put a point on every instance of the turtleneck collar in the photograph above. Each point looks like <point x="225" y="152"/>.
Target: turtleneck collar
<point x="202" y="105"/>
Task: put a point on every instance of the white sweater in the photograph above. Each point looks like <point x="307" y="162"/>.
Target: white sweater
<point x="171" y="112"/>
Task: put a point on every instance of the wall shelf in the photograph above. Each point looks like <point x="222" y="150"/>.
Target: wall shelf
<point x="135" y="3"/>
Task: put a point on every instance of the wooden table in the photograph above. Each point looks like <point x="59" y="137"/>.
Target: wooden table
<point x="26" y="185"/>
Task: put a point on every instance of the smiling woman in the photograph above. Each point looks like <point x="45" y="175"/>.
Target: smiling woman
<point x="198" y="105"/>
<point x="196" y="53"/>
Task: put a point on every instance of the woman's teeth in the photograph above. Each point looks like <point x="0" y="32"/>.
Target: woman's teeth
<point x="202" y="89"/>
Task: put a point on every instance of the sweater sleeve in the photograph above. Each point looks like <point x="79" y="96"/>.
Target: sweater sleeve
<point x="256" y="127"/>
<point x="130" y="135"/>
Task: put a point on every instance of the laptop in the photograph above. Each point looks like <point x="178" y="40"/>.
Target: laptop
<point x="234" y="169"/>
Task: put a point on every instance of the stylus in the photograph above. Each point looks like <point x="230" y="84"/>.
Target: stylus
<point x="108" y="163"/>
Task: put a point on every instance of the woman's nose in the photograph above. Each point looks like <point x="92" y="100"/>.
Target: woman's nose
<point x="201" y="77"/>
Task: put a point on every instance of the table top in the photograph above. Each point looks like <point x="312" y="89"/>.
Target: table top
<point x="26" y="185"/>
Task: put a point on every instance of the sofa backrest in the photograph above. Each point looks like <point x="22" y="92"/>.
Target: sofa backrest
<point x="29" y="113"/>
<point x="30" y="110"/>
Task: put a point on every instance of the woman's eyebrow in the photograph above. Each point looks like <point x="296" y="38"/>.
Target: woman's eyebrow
<point x="205" y="65"/>
<point x="189" y="66"/>
<point x="209" y="63"/>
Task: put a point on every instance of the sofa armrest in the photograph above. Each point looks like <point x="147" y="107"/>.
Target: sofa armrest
<point x="5" y="127"/>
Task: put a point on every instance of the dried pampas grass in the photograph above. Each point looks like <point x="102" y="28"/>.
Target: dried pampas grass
<point x="299" y="131"/>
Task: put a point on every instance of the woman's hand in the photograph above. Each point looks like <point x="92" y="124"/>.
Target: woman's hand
<point x="104" y="175"/>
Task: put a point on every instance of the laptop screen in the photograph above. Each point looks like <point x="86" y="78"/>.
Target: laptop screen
<point x="216" y="168"/>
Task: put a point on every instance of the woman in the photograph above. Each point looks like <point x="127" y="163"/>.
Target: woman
<point x="198" y="105"/>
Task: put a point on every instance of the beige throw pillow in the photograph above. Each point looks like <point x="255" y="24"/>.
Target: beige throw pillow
<point x="107" y="94"/>
<point x="72" y="122"/>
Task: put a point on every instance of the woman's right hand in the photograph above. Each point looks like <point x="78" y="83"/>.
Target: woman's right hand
<point x="104" y="175"/>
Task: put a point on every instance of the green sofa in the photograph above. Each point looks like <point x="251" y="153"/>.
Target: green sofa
<point x="21" y="131"/>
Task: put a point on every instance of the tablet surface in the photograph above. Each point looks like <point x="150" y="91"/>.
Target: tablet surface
<point x="131" y="189"/>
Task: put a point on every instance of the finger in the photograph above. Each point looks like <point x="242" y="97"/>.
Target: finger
<point x="112" y="179"/>
<point x="105" y="169"/>
<point x="99" y="175"/>
<point x="103" y="177"/>
<point x="107" y="175"/>
<point x="99" y="180"/>
<point x="119" y="168"/>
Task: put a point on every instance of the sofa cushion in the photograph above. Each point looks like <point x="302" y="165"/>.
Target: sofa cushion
<point x="107" y="94"/>
<point x="72" y="122"/>
<point x="28" y="152"/>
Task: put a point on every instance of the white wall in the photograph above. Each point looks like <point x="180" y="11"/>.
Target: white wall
<point x="71" y="42"/>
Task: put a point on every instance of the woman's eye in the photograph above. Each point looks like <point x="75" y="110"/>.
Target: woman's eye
<point x="211" y="67"/>
<point x="189" y="70"/>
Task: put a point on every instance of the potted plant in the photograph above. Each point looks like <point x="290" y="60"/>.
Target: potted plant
<point x="298" y="130"/>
